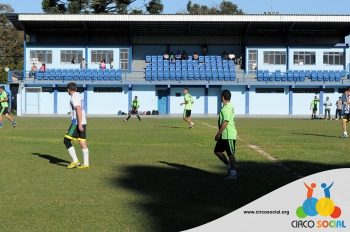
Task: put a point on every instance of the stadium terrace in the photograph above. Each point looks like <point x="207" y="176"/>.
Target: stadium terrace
<point x="272" y="64"/>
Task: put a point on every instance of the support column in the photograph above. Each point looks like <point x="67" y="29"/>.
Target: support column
<point x="55" y="100"/>
<point x="206" y="100"/>
<point x="168" y="101"/>
<point x="247" y="100"/>
<point x="86" y="98"/>
<point x="86" y="56"/>
<point x="24" y="55"/>
<point x="130" y="97"/>
<point x="321" y="101"/>
<point x="290" y="100"/>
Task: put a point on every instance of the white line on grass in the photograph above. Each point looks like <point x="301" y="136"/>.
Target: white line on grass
<point x="260" y="151"/>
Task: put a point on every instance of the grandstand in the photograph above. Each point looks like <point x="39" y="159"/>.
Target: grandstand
<point x="281" y="61"/>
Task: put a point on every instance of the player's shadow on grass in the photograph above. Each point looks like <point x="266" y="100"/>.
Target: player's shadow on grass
<point x="178" y="196"/>
<point x="316" y="135"/>
<point x="52" y="159"/>
<point x="171" y="127"/>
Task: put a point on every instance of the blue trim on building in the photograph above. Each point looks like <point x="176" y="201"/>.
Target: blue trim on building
<point x="55" y="101"/>
<point x="321" y="101"/>
<point x="206" y="102"/>
<point x="129" y="97"/>
<point x="24" y="55"/>
<point x="247" y="100"/>
<point x="290" y="101"/>
<point x="86" y="99"/>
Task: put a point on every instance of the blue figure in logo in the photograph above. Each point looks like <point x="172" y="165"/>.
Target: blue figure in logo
<point x="309" y="205"/>
<point x="327" y="192"/>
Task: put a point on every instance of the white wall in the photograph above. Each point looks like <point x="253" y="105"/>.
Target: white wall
<point x="46" y="103"/>
<point x="147" y="97"/>
<point x="107" y="103"/>
<point x="213" y="100"/>
<point x="198" y="97"/>
<point x="269" y="103"/>
<point x="63" y="106"/>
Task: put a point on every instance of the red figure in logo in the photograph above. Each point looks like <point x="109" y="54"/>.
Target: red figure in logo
<point x="310" y="189"/>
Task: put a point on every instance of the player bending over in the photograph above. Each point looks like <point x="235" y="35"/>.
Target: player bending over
<point x="77" y="129"/>
<point x="188" y="102"/>
<point x="4" y="107"/>
<point x="135" y="105"/>
<point x="226" y="136"/>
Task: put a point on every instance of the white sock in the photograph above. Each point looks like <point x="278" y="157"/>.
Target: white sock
<point x="345" y="133"/>
<point x="233" y="172"/>
<point x="72" y="153"/>
<point x="86" y="156"/>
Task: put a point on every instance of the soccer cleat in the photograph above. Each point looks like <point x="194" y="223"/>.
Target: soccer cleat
<point x="73" y="165"/>
<point x="191" y="126"/>
<point x="232" y="175"/>
<point x="344" y="136"/>
<point x="14" y="124"/>
<point x="83" y="167"/>
<point x="125" y="120"/>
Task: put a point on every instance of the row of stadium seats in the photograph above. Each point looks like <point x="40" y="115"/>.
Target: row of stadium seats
<point x="80" y="75"/>
<point x="300" y="76"/>
<point x="185" y="74"/>
<point x="190" y="64"/>
<point x="201" y="59"/>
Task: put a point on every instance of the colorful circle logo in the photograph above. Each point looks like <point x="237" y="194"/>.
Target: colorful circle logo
<point x="313" y="206"/>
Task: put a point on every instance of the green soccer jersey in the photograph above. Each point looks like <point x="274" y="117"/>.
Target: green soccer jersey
<point x="3" y="96"/>
<point x="188" y="101"/>
<point x="135" y="104"/>
<point x="227" y="114"/>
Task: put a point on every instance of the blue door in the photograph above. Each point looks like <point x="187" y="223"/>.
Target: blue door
<point x="163" y="101"/>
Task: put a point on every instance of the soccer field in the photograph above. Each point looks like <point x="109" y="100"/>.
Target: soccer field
<point x="154" y="175"/>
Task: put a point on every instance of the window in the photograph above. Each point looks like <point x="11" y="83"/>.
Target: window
<point x="98" y="55"/>
<point x="64" y="89"/>
<point x="274" y="57"/>
<point x="108" y="89"/>
<point x="312" y="90"/>
<point x="68" y="55"/>
<point x="252" y="60"/>
<point x="304" y="58"/>
<point x="42" y="56"/>
<point x="124" y="58"/>
<point x="333" y="58"/>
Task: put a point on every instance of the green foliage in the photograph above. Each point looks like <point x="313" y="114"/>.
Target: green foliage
<point x="11" y="44"/>
<point x="225" y="8"/>
<point x="100" y="6"/>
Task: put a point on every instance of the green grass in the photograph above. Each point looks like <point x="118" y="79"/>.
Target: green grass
<point x="151" y="176"/>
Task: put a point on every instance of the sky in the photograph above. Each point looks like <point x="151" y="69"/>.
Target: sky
<point x="248" y="6"/>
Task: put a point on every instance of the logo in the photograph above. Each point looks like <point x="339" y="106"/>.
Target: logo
<point x="324" y="206"/>
<point x="313" y="207"/>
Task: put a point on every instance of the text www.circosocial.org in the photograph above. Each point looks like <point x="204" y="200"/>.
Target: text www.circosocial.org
<point x="267" y="212"/>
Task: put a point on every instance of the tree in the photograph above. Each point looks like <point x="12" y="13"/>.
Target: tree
<point x="155" y="7"/>
<point x="11" y="44"/>
<point x="225" y="8"/>
<point x="100" y="6"/>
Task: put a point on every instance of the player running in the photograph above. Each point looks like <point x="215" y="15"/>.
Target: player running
<point x="226" y="136"/>
<point x="4" y="107"/>
<point x="135" y="105"/>
<point x="77" y="129"/>
<point x="188" y="102"/>
<point x="346" y="112"/>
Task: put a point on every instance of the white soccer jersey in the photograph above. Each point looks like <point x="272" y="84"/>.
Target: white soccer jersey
<point x="76" y="100"/>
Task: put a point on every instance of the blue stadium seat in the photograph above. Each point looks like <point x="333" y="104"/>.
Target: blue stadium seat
<point x="260" y="75"/>
<point x="278" y="76"/>
<point x="112" y="75"/>
<point x="319" y="76"/>
<point x="148" y="59"/>
<point x="184" y="74"/>
<point x="160" y="75"/>
<point x="154" y="75"/>
<point x="166" y="74"/>
<point x="148" y="75"/>
<point x="302" y="76"/>
<point x="266" y="75"/>
<point x="232" y="75"/>
<point x="201" y="59"/>
<point x="119" y="74"/>
<point x="160" y="58"/>
<point x="295" y="76"/>
<point x="76" y="74"/>
<point x="215" y="75"/>
<point x="337" y="76"/>
<point x="94" y="74"/>
<point x="313" y="76"/>
<point x="325" y="76"/>
<point x="178" y="75"/>
<point x="40" y="76"/>
<point x="331" y="76"/>
<point x="100" y="75"/>
<point x="284" y="76"/>
<point x="343" y="73"/>
<point x="88" y="74"/>
<point x="290" y="76"/>
<point x="154" y="59"/>
<point x="197" y="74"/>
<point x="190" y="74"/>
<point x="172" y="74"/>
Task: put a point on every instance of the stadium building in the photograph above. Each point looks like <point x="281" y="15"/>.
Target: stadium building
<point x="281" y="62"/>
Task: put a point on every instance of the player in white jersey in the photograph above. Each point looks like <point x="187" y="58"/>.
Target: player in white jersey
<point x="77" y="129"/>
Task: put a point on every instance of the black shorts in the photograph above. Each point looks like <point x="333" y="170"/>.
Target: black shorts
<point x="4" y="110"/>
<point x="187" y="113"/>
<point x="314" y="110"/>
<point x="228" y="145"/>
<point x="134" y="111"/>
<point x="346" y="117"/>
<point x="75" y="134"/>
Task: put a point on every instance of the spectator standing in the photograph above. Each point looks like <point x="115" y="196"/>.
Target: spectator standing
<point x="327" y="110"/>
<point x="83" y="64"/>
<point x="74" y="61"/>
<point x="103" y="64"/>
<point x="314" y="107"/>
<point x="339" y="105"/>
